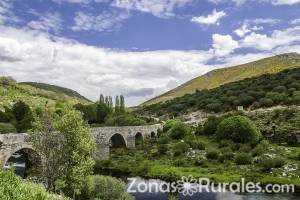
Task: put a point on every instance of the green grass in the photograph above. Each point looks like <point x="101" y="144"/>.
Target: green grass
<point x="170" y="168"/>
<point x="35" y="97"/>
<point x="220" y="77"/>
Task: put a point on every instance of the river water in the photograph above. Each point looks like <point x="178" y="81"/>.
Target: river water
<point x="18" y="161"/>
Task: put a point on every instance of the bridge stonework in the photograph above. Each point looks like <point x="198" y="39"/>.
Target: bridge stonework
<point x="11" y="143"/>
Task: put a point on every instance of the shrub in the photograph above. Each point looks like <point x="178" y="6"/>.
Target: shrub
<point x="227" y="155"/>
<point x="14" y="188"/>
<point x="179" y="130"/>
<point x="266" y="102"/>
<point x="211" y="125"/>
<point x="258" y="150"/>
<point x="268" y="164"/>
<point x="163" y="140"/>
<point x="299" y="156"/>
<point x="243" y="159"/>
<point x="7" y="128"/>
<point x="180" y="148"/>
<point x="212" y="155"/>
<point x="169" y="124"/>
<point x="228" y="143"/>
<point x="199" y="130"/>
<point x="194" y="142"/>
<point x="246" y="148"/>
<point x="159" y="132"/>
<point x="239" y="129"/>
<point x="104" y="188"/>
<point x="162" y="148"/>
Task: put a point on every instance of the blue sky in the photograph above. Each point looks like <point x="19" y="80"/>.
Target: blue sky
<point x="140" y="48"/>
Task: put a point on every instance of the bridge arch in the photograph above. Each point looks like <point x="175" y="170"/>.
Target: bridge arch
<point x="117" y="140"/>
<point x="24" y="159"/>
<point x="152" y="134"/>
<point x="139" y="139"/>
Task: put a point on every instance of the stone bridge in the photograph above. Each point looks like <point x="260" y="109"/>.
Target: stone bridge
<point x="105" y="137"/>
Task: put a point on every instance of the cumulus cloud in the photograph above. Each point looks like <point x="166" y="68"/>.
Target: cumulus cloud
<point x="213" y="18"/>
<point x="48" y="22"/>
<point x="158" y="8"/>
<point x="224" y="44"/>
<point x="295" y="22"/>
<point x="106" y="21"/>
<point x="36" y="56"/>
<point x="284" y="2"/>
<point x="277" y="38"/>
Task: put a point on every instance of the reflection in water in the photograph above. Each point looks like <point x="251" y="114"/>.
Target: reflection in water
<point x="17" y="160"/>
<point x="204" y="195"/>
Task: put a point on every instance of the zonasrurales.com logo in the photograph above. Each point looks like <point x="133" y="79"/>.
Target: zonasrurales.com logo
<point x="188" y="186"/>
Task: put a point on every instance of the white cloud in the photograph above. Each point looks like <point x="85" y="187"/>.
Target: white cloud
<point x="158" y="8"/>
<point x="106" y="21"/>
<point x="5" y="12"/>
<point x="47" y="22"/>
<point x="73" y="1"/>
<point x="210" y="19"/>
<point x="223" y="44"/>
<point x="34" y="56"/>
<point x="276" y="39"/>
<point x="284" y="2"/>
<point x="295" y="22"/>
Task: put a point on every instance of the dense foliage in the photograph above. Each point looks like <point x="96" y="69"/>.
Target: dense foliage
<point x="240" y="129"/>
<point x="14" y="188"/>
<point x="104" y="188"/>
<point x="19" y="118"/>
<point x="264" y="91"/>
<point x="68" y="147"/>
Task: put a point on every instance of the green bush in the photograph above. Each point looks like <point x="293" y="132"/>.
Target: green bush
<point x="180" y="148"/>
<point x="169" y="124"/>
<point x="7" y="128"/>
<point x="212" y="155"/>
<point x="258" y="150"/>
<point x="159" y="132"/>
<point x="199" y="130"/>
<point x="104" y="188"/>
<point x="269" y="163"/>
<point x="243" y="159"/>
<point x="239" y="129"/>
<point x="211" y="125"/>
<point x="163" y="140"/>
<point x="299" y="156"/>
<point x="226" y="155"/>
<point x="266" y="102"/>
<point x="162" y="148"/>
<point x="14" y="188"/>
<point x="194" y="142"/>
<point x="179" y="130"/>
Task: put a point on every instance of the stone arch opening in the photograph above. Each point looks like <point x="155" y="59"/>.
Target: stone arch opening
<point x="153" y="135"/>
<point x="117" y="141"/>
<point x="25" y="161"/>
<point x="117" y="145"/>
<point x="139" y="139"/>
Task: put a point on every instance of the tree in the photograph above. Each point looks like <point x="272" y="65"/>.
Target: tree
<point x="51" y="146"/>
<point x="23" y="115"/>
<point x="239" y="129"/>
<point x="65" y="142"/>
<point x="107" y="101"/>
<point x="179" y="130"/>
<point x="102" y="111"/>
<point x="79" y="148"/>
<point x="211" y="125"/>
<point x="117" y="105"/>
<point x="101" y="99"/>
<point x="122" y="104"/>
<point x="110" y="102"/>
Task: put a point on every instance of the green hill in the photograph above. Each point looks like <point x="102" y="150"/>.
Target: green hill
<point x="35" y="95"/>
<point x="222" y="76"/>
<point x="268" y="90"/>
<point x="56" y="89"/>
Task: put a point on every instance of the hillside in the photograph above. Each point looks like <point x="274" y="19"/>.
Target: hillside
<point x="264" y="91"/>
<point x="222" y="76"/>
<point x="11" y="92"/>
<point x="56" y="89"/>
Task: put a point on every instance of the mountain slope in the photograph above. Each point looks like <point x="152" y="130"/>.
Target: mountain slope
<point x="11" y="92"/>
<point x="56" y="89"/>
<point x="222" y="76"/>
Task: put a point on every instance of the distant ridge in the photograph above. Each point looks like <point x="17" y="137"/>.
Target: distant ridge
<point x="218" y="77"/>
<point x="56" y="89"/>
